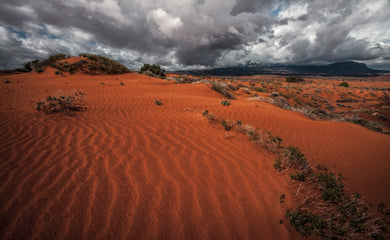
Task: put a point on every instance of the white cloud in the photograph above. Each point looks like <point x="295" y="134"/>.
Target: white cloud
<point x="165" y="22"/>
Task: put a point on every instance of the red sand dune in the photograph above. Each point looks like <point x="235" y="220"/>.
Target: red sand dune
<point x="129" y="169"/>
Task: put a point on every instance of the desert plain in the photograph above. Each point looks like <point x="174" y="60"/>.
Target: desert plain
<point x="128" y="168"/>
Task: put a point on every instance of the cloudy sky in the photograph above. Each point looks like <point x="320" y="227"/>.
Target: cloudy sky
<point x="188" y="34"/>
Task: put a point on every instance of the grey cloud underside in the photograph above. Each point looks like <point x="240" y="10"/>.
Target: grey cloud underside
<point x="195" y="33"/>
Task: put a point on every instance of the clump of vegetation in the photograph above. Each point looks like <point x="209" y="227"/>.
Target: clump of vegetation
<point x="35" y="65"/>
<point x="225" y="102"/>
<point x="293" y="157"/>
<point x="344" y="84"/>
<point x="53" y="59"/>
<point x="122" y="84"/>
<point x="294" y="79"/>
<point x="278" y="164"/>
<point x="158" y="102"/>
<point x="7" y="81"/>
<point x="62" y="104"/>
<point x="153" y="70"/>
<point x="259" y="89"/>
<point x="222" y="88"/>
<point x="226" y="125"/>
<point x="330" y="186"/>
<point x="102" y="64"/>
<point x="299" y="176"/>
<point x="326" y="211"/>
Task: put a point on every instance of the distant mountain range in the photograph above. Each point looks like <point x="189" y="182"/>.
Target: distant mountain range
<point x="348" y="68"/>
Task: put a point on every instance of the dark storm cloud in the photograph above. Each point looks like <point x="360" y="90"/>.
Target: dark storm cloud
<point x="180" y="34"/>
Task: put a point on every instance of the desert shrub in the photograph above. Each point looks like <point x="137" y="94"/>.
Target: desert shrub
<point x="226" y="125"/>
<point x="153" y="70"/>
<point x="225" y="102"/>
<point x="260" y="89"/>
<point x="122" y="84"/>
<point x="35" y="65"/>
<point x="299" y="176"/>
<point x="62" y="104"/>
<point x="100" y="63"/>
<point x="331" y="187"/>
<point x="344" y="84"/>
<point x="51" y="61"/>
<point x="292" y="157"/>
<point x="278" y="164"/>
<point x="222" y="89"/>
<point x="158" y="102"/>
<point x="290" y="79"/>
<point x="7" y="81"/>
<point x="307" y="223"/>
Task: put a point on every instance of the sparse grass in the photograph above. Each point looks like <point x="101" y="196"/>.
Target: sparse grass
<point x="225" y="102"/>
<point x="158" y="102"/>
<point x="61" y="104"/>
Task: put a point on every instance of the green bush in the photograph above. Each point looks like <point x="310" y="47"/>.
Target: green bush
<point x="225" y="102"/>
<point x="291" y="79"/>
<point x="226" y="125"/>
<point x="331" y="187"/>
<point x="344" y="84"/>
<point x="158" y="102"/>
<point x="153" y="70"/>
<point x="278" y="164"/>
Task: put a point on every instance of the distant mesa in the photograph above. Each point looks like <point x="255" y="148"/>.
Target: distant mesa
<point x="348" y="68"/>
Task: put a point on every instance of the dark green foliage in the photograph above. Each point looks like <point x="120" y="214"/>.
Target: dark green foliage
<point x="331" y="186"/>
<point x="299" y="176"/>
<point x="294" y="79"/>
<point x="158" y="102"/>
<point x="239" y="123"/>
<point x="260" y="89"/>
<point x="222" y="89"/>
<point x="307" y="223"/>
<point x="122" y="84"/>
<point x="51" y="61"/>
<point x="278" y="164"/>
<point x="344" y="84"/>
<point x="100" y="64"/>
<point x="292" y="157"/>
<point x="153" y="70"/>
<point x="225" y="102"/>
<point x="226" y="125"/>
<point x="35" y="65"/>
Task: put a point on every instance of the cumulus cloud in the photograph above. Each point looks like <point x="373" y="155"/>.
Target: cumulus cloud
<point x="165" y="22"/>
<point x="197" y="33"/>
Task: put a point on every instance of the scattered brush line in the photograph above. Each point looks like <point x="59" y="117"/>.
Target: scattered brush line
<point x="88" y="63"/>
<point x="320" y="114"/>
<point x="223" y="88"/>
<point x="62" y="104"/>
<point x="324" y="209"/>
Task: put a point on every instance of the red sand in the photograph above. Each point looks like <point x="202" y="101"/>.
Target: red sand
<point x="129" y="169"/>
